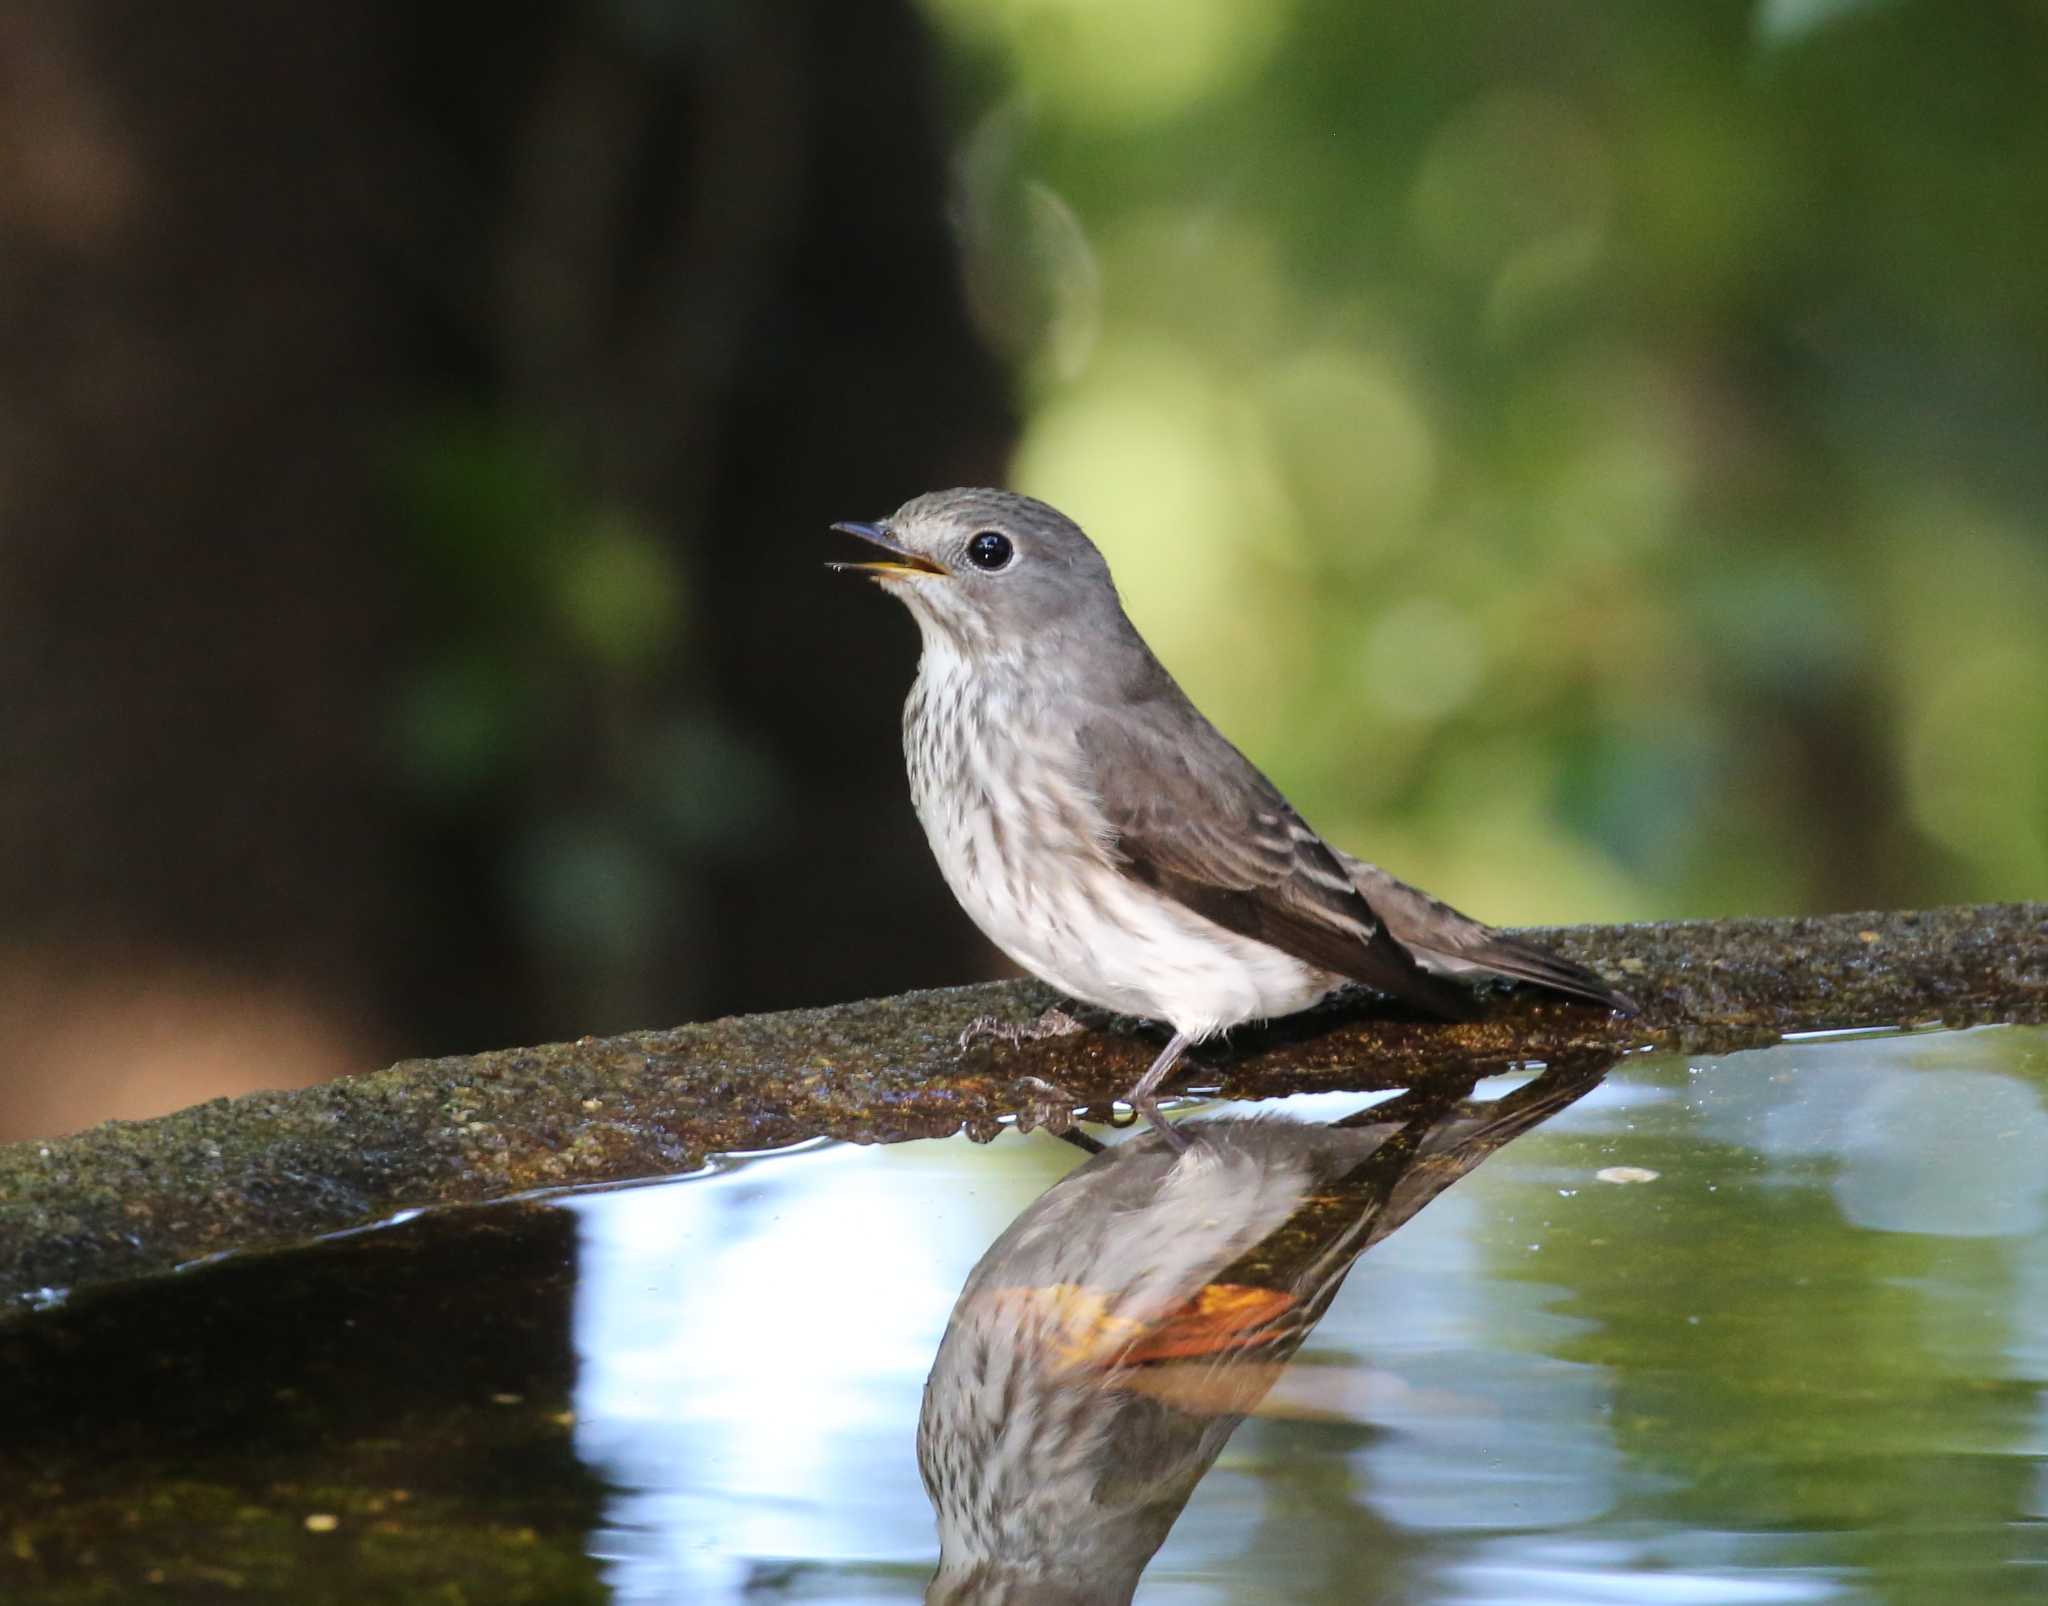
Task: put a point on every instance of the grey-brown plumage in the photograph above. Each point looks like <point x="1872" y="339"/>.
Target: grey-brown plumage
<point x="1110" y="1341"/>
<point x="1103" y="833"/>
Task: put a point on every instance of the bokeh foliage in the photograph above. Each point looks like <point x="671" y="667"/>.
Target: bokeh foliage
<point x="1591" y="456"/>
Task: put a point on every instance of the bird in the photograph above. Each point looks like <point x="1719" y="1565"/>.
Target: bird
<point x="1110" y="1341"/>
<point x="1110" y="839"/>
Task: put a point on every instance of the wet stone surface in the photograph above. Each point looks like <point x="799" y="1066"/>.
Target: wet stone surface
<point x="272" y="1169"/>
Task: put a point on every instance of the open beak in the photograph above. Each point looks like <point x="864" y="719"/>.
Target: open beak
<point x="901" y="560"/>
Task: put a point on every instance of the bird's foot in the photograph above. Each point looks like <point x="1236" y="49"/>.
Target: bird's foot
<point x="1154" y="1117"/>
<point x="1055" y="1022"/>
<point x="1043" y="1104"/>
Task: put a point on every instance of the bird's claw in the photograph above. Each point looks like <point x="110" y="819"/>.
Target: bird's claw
<point x="1146" y="1108"/>
<point x="1055" y="1022"/>
<point x="1042" y="1104"/>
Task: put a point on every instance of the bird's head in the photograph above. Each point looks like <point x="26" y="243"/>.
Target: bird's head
<point x="989" y="571"/>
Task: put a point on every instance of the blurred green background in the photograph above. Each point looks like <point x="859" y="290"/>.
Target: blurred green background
<point x="1591" y="456"/>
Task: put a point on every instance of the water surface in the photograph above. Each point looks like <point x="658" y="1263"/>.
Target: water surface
<point x="1771" y="1327"/>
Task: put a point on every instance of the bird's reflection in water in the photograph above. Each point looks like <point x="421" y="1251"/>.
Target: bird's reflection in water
<point x="1111" y="1340"/>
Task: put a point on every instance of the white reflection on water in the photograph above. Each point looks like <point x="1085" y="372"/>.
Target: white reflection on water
<point x="753" y="1345"/>
<point x="1954" y="1155"/>
<point x="1564" y="1574"/>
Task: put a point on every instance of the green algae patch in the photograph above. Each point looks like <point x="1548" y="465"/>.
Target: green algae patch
<point x="131" y="1199"/>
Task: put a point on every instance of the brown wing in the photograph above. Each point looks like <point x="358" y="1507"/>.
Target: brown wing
<point x="1195" y="820"/>
<point x="1441" y="937"/>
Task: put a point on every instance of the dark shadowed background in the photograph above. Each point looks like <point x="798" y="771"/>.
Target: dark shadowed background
<point x="1592" y="457"/>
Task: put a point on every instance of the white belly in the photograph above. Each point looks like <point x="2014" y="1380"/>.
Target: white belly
<point x="1019" y="839"/>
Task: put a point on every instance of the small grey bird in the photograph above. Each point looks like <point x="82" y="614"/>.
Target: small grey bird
<point x="1105" y="835"/>
<point x="1110" y="1341"/>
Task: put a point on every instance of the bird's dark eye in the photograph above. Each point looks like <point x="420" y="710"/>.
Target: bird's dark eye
<point x="989" y="550"/>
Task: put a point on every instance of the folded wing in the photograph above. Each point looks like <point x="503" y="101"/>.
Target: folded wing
<point x="1196" y="821"/>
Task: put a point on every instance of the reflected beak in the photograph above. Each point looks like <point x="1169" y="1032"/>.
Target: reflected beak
<point x="901" y="561"/>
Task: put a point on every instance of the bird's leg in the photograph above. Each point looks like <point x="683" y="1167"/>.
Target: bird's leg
<point x="1055" y="1022"/>
<point x="1148" y="1084"/>
<point x="1175" y="1139"/>
<point x="1141" y="1100"/>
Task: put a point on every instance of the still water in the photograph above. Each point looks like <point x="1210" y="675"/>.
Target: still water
<point x="1765" y="1328"/>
